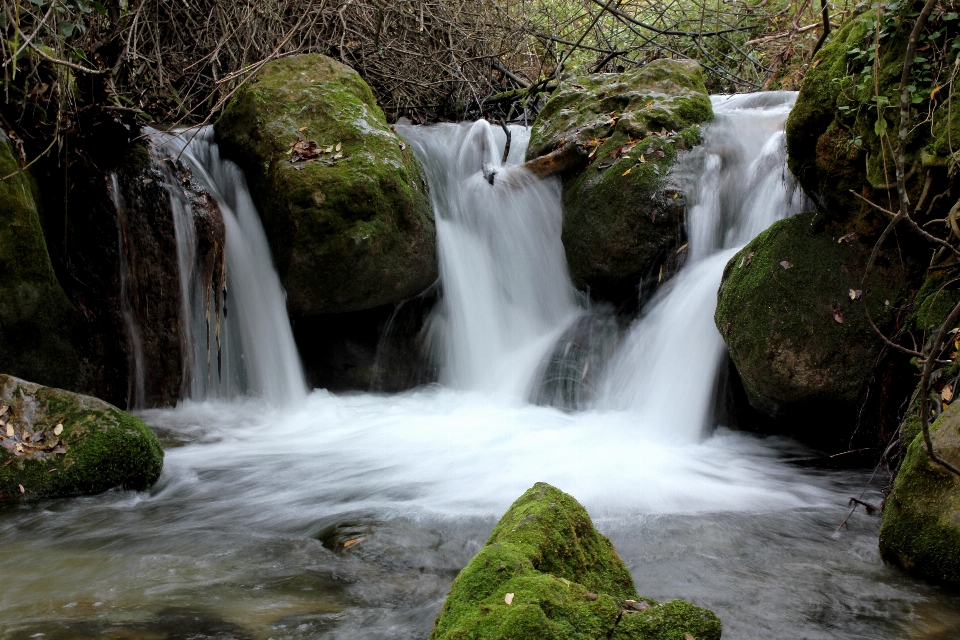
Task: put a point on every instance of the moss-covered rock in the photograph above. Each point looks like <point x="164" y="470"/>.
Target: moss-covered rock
<point x="37" y="324"/>
<point x="622" y="214"/>
<point x="351" y="228"/>
<point x="921" y="517"/>
<point x="546" y="573"/>
<point x="799" y="363"/>
<point x="55" y="443"/>
<point x="833" y="145"/>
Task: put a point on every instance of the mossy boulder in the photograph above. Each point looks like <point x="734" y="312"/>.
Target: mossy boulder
<point x="833" y="143"/>
<point x="791" y="311"/>
<point x="622" y="213"/>
<point x="352" y="228"/>
<point x="546" y="573"/>
<point x="55" y="443"/>
<point x="37" y="324"/>
<point x="921" y="517"/>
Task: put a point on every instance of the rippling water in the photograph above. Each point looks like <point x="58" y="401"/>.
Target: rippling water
<point x="229" y="542"/>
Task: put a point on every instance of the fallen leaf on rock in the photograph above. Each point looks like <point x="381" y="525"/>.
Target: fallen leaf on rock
<point x="729" y="327"/>
<point x="636" y="606"/>
<point x="687" y="636"/>
<point x="350" y="543"/>
<point x="339" y="146"/>
<point x="3" y="409"/>
<point x="22" y="490"/>
<point x="604" y="165"/>
<point x="947" y="394"/>
<point x="9" y="431"/>
<point x="850" y="237"/>
<point x="625" y="173"/>
<point x="508" y="598"/>
<point x="786" y="264"/>
<point x="591" y="596"/>
<point x="642" y="159"/>
<point x="838" y="314"/>
<point x="658" y="153"/>
<point x="855" y="294"/>
<point x="649" y="104"/>
<point x="302" y="129"/>
<point x="57" y="430"/>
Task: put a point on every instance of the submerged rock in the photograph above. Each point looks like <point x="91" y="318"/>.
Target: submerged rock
<point x="38" y="327"/>
<point x="921" y="517"/>
<point x="790" y="309"/>
<point x="623" y="214"/>
<point x="54" y="443"/>
<point x="546" y="573"/>
<point x="343" y="200"/>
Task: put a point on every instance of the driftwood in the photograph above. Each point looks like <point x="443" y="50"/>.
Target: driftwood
<point x="570" y="157"/>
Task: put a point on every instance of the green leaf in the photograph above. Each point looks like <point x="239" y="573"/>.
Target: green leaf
<point x="67" y="28"/>
<point x="880" y="127"/>
<point x="99" y="8"/>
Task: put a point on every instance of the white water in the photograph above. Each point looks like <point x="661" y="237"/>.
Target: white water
<point x="257" y="353"/>
<point x="737" y="185"/>
<point x="506" y="290"/>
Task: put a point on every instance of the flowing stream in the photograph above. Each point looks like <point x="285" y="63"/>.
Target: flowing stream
<point x="242" y="536"/>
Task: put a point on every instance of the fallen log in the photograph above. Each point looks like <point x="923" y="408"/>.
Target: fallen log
<point x="569" y="157"/>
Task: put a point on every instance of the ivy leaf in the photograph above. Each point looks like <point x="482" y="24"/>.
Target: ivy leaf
<point x="67" y="28"/>
<point x="880" y="127"/>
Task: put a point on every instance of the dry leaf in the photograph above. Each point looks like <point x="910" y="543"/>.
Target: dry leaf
<point x="786" y="264"/>
<point x="508" y="598"/>
<point x="642" y="159"/>
<point x="328" y="149"/>
<point x="9" y="431"/>
<point x="687" y="636"/>
<point x="302" y="129"/>
<point x="350" y="543"/>
<point x="22" y="490"/>
<point x="850" y="237"/>
<point x="339" y="146"/>
<point x="838" y="314"/>
<point x="591" y="596"/>
<point x="947" y="394"/>
<point x="627" y="172"/>
<point x="3" y="409"/>
<point x="338" y="155"/>
<point x="604" y="165"/>
<point x="636" y="606"/>
<point x="57" y="430"/>
<point x="649" y="104"/>
<point x="402" y="146"/>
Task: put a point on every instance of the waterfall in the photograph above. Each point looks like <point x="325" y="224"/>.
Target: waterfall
<point x="237" y="337"/>
<point x="136" y="358"/>
<point x="737" y="185"/>
<point x="507" y="294"/>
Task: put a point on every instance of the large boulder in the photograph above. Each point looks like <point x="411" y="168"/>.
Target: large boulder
<point x="343" y="200"/>
<point x="37" y="322"/>
<point x="921" y="517"/>
<point x="546" y="573"/>
<point x="834" y="134"/>
<point x="790" y="309"/>
<point x="55" y="443"/>
<point x="623" y="215"/>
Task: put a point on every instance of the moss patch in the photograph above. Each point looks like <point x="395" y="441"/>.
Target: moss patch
<point x="921" y="518"/>
<point x="37" y="324"/>
<point x="350" y="233"/>
<point x="565" y="580"/>
<point x="100" y="447"/>
<point x="796" y="360"/>
<point x="618" y="226"/>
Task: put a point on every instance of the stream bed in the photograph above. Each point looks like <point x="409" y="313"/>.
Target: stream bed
<point x="230" y="542"/>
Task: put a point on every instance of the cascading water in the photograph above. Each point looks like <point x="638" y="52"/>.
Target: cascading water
<point x="237" y="539"/>
<point x="737" y="185"/>
<point x="506" y="290"/>
<point x="239" y="338"/>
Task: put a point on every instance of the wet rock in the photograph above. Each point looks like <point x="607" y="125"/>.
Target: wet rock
<point x="798" y="337"/>
<point x="623" y="215"/>
<point x="38" y="325"/>
<point x="343" y="200"/>
<point x="545" y="572"/>
<point x="921" y="517"/>
<point x="55" y="443"/>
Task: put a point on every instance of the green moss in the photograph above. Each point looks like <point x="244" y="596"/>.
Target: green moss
<point x="36" y="319"/>
<point x="347" y="234"/>
<point x="796" y="360"/>
<point x="566" y="581"/>
<point x="921" y="517"/>
<point x="617" y="227"/>
<point x="934" y="301"/>
<point x="103" y="447"/>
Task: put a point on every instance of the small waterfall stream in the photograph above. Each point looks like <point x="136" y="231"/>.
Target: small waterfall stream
<point x="238" y="338"/>
<point x="231" y="540"/>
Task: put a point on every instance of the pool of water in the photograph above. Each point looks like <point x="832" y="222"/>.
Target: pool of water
<point x="243" y="535"/>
